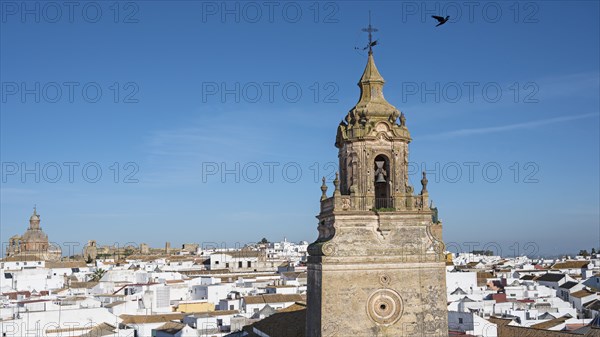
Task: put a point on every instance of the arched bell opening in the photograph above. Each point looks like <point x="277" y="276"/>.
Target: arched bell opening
<point x="382" y="182"/>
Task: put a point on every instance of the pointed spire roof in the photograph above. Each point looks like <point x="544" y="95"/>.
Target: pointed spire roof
<point x="372" y="116"/>
<point x="372" y="104"/>
<point x="371" y="73"/>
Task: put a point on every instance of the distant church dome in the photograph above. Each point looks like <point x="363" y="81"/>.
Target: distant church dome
<point x="33" y="244"/>
<point x="35" y="236"/>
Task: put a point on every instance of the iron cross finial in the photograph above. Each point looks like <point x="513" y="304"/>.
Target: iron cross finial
<point x="370" y="30"/>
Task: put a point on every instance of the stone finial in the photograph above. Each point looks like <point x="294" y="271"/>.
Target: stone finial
<point x="324" y="190"/>
<point x="402" y="120"/>
<point x="424" y="183"/>
<point x="34" y="220"/>
<point x="363" y="119"/>
<point x="434" y="214"/>
<point x="336" y="183"/>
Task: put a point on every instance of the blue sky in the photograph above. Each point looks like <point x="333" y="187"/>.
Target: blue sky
<point x="190" y="89"/>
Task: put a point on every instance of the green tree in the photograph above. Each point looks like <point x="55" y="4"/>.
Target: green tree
<point x="483" y="252"/>
<point x="584" y="253"/>
<point x="97" y="275"/>
<point x="264" y="241"/>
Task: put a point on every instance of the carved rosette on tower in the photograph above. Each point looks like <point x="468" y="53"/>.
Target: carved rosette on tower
<point x="377" y="267"/>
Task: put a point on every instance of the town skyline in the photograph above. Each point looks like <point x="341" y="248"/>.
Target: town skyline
<point x="180" y="129"/>
<point x="532" y="250"/>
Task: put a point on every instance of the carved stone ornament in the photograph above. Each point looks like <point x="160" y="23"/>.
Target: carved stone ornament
<point x="345" y="203"/>
<point x="329" y="249"/>
<point x="385" y="280"/>
<point x="385" y="307"/>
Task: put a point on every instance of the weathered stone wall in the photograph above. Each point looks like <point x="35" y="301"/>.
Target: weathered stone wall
<point x="379" y="275"/>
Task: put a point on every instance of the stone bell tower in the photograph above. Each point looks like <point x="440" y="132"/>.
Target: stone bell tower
<point x="377" y="267"/>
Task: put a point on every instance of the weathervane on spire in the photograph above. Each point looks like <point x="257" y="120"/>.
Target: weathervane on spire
<point x="370" y="29"/>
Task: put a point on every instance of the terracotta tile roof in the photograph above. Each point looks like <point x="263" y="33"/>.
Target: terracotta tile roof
<point x="582" y="293"/>
<point x="216" y="313"/>
<point x="570" y="265"/>
<point x="84" y="285"/>
<point x="482" y="277"/>
<point x="295" y="274"/>
<point x="171" y="328"/>
<point x="291" y="323"/>
<point x="144" y="319"/>
<point x="24" y="258"/>
<point x="551" y="323"/>
<point x="499" y="298"/>
<point x="175" y="281"/>
<point x="65" y="264"/>
<point x="294" y="307"/>
<point x="571" y="327"/>
<point x="101" y="329"/>
<point x="499" y="321"/>
<point x="13" y="295"/>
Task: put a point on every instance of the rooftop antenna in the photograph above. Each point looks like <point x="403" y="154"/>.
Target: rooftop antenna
<point x="370" y="29"/>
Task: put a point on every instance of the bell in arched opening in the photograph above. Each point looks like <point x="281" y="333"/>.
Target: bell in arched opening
<point x="382" y="186"/>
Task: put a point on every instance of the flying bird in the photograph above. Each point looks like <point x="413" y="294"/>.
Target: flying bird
<point x="440" y="19"/>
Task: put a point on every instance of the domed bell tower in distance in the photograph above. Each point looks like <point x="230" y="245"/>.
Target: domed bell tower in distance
<point x="377" y="267"/>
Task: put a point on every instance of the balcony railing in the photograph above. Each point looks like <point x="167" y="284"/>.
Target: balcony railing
<point x="364" y="203"/>
<point x="383" y="203"/>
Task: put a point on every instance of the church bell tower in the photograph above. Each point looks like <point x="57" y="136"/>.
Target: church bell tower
<point x="377" y="267"/>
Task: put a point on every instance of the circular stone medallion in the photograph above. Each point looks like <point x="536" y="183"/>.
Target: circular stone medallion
<point x="384" y="307"/>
